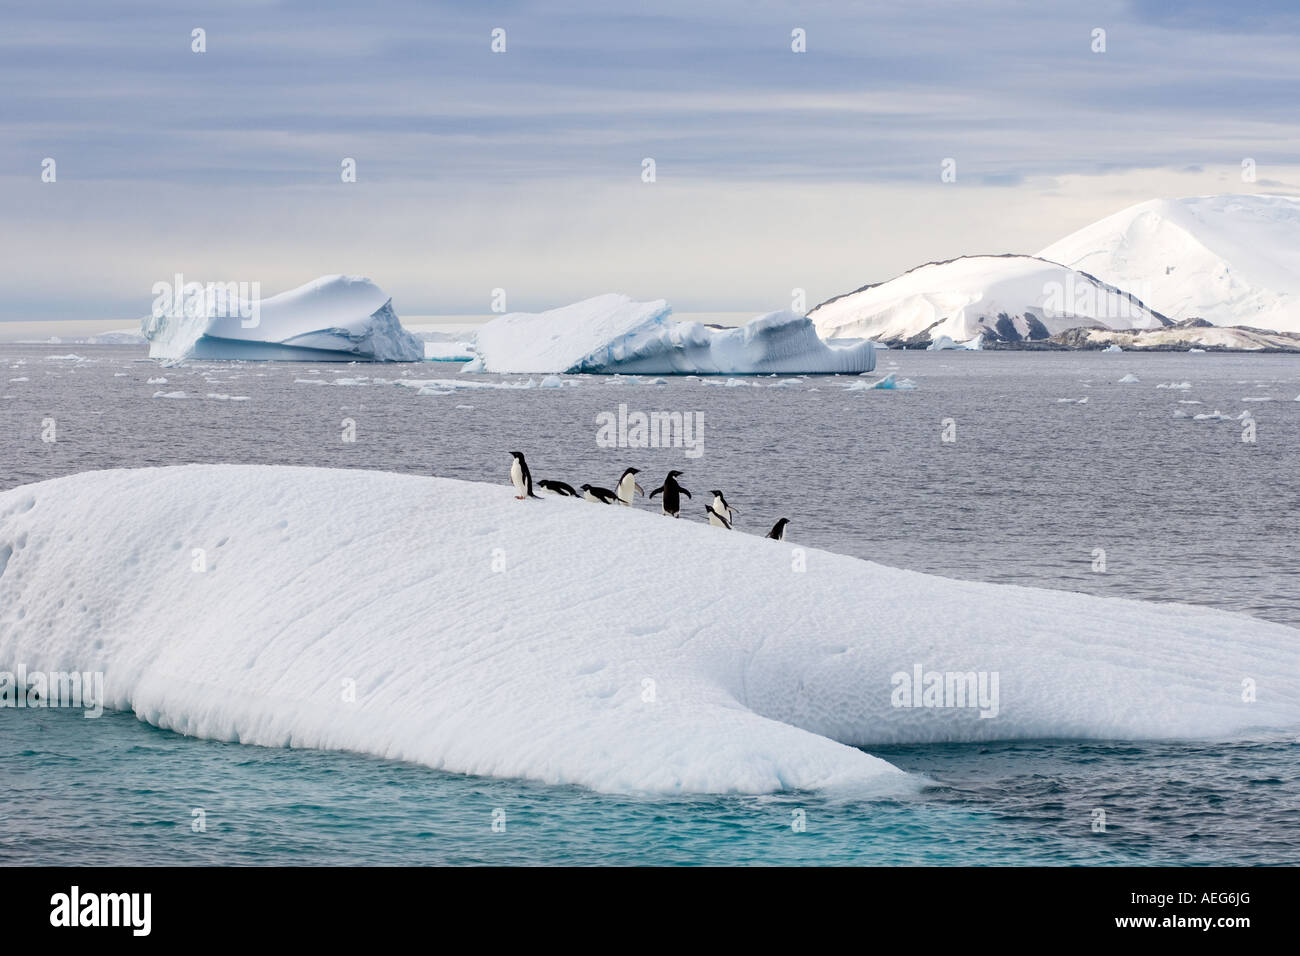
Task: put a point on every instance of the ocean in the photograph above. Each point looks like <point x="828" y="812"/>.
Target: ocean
<point x="1112" y="496"/>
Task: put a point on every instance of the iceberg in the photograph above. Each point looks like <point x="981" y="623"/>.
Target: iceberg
<point x="331" y="319"/>
<point x="614" y="335"/>
<point x="321" y="618"/>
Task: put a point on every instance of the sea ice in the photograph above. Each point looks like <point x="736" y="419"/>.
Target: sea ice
<point x="324" y="619"/>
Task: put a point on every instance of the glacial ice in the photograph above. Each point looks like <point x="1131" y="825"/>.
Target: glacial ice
<point x="323" y="619"/>
<point x="612" y="334"/>
<point x="333" y="318"/>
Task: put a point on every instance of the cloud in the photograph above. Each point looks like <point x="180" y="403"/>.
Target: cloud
<point x="530" y="160"/>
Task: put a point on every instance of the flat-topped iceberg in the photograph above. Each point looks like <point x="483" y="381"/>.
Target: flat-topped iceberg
<point x="612" y="334"/>
<point x="304" y="607"/>
<point x="333" y="318"/>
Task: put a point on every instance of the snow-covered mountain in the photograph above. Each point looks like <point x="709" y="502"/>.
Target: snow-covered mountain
<point x="1233" y="260"/>
<point x="1007" y="298"/>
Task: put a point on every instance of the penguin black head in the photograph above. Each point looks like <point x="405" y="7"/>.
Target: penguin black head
<point x="632" y="471"/>
<point x="584" y="487"/>
<point x="674" y="474"/>
<point x="517" y="454"/>
<point x="716" y="493"/>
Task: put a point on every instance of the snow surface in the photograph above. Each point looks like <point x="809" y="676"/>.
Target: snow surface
<point x="612" y="334"/>
<point x="702" y="663"/>
<point x="997" y="297"/>
<point x="333" y="318"/>
<point x="1231" y="259"/>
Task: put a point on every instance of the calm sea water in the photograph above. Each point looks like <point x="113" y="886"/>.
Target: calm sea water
<point x="1031" y="488"/>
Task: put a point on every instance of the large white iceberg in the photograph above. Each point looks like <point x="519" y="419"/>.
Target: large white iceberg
<point x="322" y="618"/>
<point x="612" y="334"/>
<point x="333" y="318"/>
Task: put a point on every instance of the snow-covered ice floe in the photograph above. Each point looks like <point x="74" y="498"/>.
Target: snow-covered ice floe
<point x="334" y="318"/>
<point x="744" y="678"/>
<point x="612" y="334"/>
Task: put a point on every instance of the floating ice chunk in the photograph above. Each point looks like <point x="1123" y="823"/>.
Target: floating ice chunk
<point x="331" y="319"/>
<point x="65" y="358"/>
<point x="943" y="344"/>
<point x="614" y="334"/>
<point x="227" y="398"/>
<point x="1183" y="386"/>
<point x="156" y="381"/>
<point x="888" y="383"/>
<point x="1129" y="379"/>
<point x="162" y="394"/>
<point x="1112" y="348"/>
<point x="552" y="381"/>
<point x="446" y="385"/>
<point x="513" y="678"/>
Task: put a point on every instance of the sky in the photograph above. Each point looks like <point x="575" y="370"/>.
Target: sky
<point x="522" y="170"/>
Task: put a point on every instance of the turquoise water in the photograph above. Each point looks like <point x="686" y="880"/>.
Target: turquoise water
<point x="117" y="791"/>
<point x="1186" y="512"/>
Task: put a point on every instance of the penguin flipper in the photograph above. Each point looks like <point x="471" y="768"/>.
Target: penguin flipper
<point x="658" y="490"/>
<point x="684" y="491"/>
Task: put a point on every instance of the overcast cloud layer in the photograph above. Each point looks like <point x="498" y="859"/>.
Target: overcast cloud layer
<point x="522" y="170"/>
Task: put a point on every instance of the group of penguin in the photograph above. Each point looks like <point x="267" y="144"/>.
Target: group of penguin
<point x="670" y="493"/>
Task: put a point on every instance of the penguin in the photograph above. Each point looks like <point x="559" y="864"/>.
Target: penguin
<point x="627" y="487"/>
<point x="520" y="477"/>
<point x="600" y="495"/>
<point x="715" y="519"/>
<point x="722" y="509"/>
<point x="778" y="530"/>
<point x="672" y="492"/>
<point x="558" y="488"/>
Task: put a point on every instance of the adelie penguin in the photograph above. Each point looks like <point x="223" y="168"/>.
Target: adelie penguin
<point x="720" y="513"/>
<point x="599" y="495"/>
<point x="672" y="492"/>
<point x="627" y="488"/>
<point x="715" y="519"/>
<point x="521" y="477"/>
<point x="558" y="488"/>
<point x="778" y="530"/>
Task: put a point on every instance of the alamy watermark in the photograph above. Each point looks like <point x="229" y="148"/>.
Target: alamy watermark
<point x="79" y="689"/>
<point x="179" y="299"/>
<point x="922" y="688"/>
<point x="626" y="429"/>
<point x="1091" y="300"/>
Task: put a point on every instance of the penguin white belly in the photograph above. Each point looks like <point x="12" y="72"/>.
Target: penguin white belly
<point x="588" y="496"/>
<point x="626" y="491"/>
<point x="713" y="519"/>
<point x="517" y="477"/>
